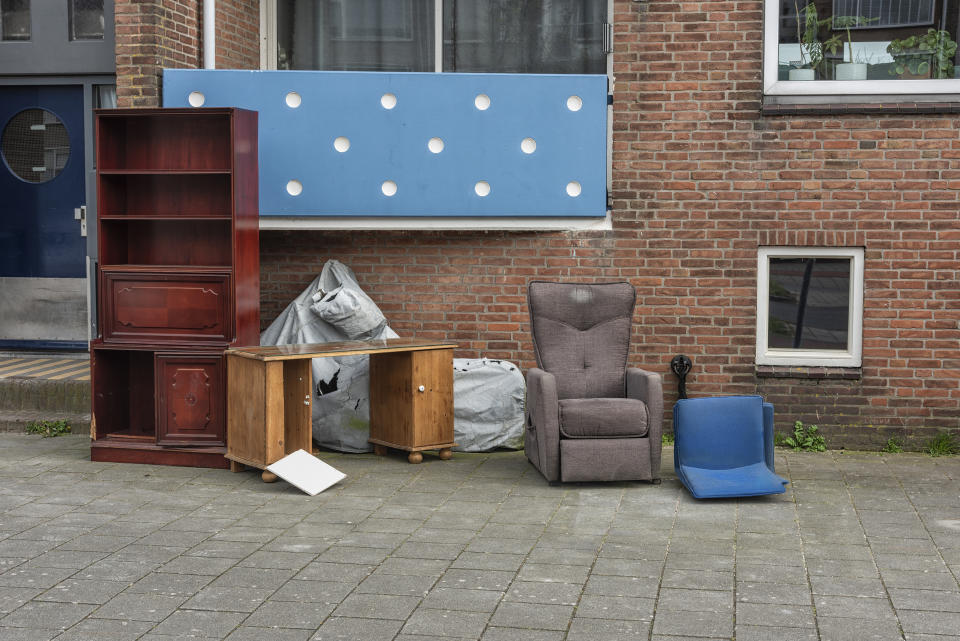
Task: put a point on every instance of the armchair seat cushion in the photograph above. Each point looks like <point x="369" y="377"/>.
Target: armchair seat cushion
<point x="603" y="418"/>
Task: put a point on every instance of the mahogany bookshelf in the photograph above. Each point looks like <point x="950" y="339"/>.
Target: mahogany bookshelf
<point x="177" y="279"/>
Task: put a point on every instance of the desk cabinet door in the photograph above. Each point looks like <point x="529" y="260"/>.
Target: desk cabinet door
<point x="190" y="400"/>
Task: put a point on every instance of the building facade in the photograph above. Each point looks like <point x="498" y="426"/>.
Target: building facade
<point x="796" y="239"/>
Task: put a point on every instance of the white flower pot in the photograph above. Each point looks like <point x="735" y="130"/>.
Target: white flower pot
<point x="851" y="71"/>
<point x="801" y="74"/>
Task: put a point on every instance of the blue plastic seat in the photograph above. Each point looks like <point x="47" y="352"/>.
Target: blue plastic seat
<point x="723" y="447"/>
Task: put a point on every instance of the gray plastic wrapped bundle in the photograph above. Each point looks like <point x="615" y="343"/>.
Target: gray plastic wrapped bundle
<point x="488" y="395"/>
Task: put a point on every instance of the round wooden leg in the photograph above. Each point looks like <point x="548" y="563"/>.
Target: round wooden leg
<point x="446" y="453"/>
<point x="380" y="450"/>
<point x="415" y="457"/>
<point x="268" y="477"/>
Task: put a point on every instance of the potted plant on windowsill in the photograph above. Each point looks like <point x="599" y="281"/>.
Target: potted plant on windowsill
<point x="852" y="70"/>
<point x="929" y="55"/>
<point x="811" y="50"/>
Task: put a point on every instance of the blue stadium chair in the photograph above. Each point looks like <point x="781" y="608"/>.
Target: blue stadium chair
<point x="723" y="447"/>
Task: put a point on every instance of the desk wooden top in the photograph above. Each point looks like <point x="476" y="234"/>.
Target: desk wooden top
<point x="343" y="348"/>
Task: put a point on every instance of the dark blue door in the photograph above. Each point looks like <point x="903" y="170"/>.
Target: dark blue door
<point x="41" y="182"/>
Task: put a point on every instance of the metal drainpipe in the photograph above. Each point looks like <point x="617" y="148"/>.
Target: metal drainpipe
<point x="209" y="34"/>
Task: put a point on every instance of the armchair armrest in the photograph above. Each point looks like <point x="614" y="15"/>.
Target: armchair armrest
<point x="648" y="387"/>
<point x="543" y="421"/>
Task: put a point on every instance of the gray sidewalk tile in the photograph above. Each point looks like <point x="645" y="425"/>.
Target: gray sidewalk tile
<point x="446" y="623"/>
<point x="476" y="579"/>
<point x="105" y="630"/>
<point x="704" y="624"/>
<point x="28" y="634"/>
<point x="465" y="600"/>
<point x="607" y="630"/>
<point x="543" y="592"/>
<point x="83" y="591"/>
<point x="538" y="616"/>
<point x="945" y="623"/>
<point x="907" y="599"/>
<point x="846" y="629"/>
<point x="768" y="633"/>
<point x="398" y="584"/>
<point x="855" y="607"/>
<point x="249" y="633"/>
<point x="793" y="616"/>
<point x="227" y="599"/>
<point x="37" y="614"/>
<point x="616" y="607"/>
<point x="287" y="614"/>
<point x="377" y="606"/>
<point x="696" y="600"/>
<point x="785" y="593"/>
<point x="493" y="633"/>
<point x="139" y="607"/>
<point x="199" y="623"/>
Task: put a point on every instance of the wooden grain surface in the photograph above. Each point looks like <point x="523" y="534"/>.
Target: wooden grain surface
<point x="342" y="348"/>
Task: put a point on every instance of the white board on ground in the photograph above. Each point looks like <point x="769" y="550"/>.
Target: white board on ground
<point x="306" y="471"/>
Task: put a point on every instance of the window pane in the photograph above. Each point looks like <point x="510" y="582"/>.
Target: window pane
<point x="15" y="19"/>
<point x="524" y="36"/>
<point x="86" y="19"/>
<point x="868" y="39"/>
<point x="35" y="145"/>
<point x="355" y="35"/>
<point x="809" y="303"/>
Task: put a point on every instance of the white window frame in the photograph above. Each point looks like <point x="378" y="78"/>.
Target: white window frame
<point x="877" y="88"/>
<point x="852" y="356"/>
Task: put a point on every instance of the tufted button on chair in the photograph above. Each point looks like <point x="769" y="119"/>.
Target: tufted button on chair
<point x="589" y="416"/>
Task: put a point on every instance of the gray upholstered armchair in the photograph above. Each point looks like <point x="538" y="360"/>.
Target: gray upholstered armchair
<point x="589" y="416"/>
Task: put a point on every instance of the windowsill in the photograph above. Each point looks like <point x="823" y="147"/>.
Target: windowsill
<point x="405" y="223"/>
<point x="891" y="104"/>
<point x="808" y="372"/>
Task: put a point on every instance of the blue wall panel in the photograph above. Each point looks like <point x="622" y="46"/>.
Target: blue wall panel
<point x="297" y="143"/>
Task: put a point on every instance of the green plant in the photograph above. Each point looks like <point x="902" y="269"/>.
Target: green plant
<point x="49" y="428"/>
<point x="779" y="440"/>
<point x="846" y="23"/>
<point x="893" y="446"/>
<point x="667" y="439"/>
<point x="943" y="444"/>
<point x="919" y="55"/>
<point x="808" y="35"/>
<point x="806" y="438"/>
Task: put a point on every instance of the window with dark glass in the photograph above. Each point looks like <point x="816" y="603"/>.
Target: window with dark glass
<point x="537" y="36"/>
<point x="491" y="36"/>
<point x="809" y="303"/>
<point x="86" y="19"/>
<point x="15" y="19"/>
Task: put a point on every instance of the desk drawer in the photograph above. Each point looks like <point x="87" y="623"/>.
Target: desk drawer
<point x="164" y="307"/>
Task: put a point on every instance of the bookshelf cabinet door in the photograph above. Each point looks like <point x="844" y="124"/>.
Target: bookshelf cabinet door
<point x="190" y="400"/>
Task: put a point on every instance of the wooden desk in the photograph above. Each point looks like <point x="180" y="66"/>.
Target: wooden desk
<point x="269" y="393"/>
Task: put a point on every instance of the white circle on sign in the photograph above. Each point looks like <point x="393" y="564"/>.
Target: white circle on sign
<point x="294" y="187"/>
<point x="435" y="145"/>
<point x="388" y="101"/>
<point x="574" y="103"/>
<point x="528" y="145"/>
<point x="482" y="188"/>
<point x="341" y="143"/>
<point x="196" y="99"/>
<point x="293" y="100"/>
<point x="573" y="189"/>
<point x="389" y="188"/>
<point x="482" y="102"/>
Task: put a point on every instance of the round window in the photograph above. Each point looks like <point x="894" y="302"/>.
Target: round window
<point x="35" y="145"/>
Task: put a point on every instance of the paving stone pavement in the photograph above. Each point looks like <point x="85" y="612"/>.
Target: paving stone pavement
<point x="861" y="547"/>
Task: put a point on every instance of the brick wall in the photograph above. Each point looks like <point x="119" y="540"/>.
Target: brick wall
<point x="157" y="34"/>
<point x="701" y="179"/>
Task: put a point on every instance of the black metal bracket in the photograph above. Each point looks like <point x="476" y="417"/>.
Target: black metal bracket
<point x="681" y="366"/>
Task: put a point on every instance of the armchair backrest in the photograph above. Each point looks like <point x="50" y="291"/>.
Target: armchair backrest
<point x="581" y="335"/>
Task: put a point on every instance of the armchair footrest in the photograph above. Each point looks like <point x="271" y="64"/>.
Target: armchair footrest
<point x="612" y="459"/>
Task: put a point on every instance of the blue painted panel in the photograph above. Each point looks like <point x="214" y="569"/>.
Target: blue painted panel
<point x="392" y="144"/>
